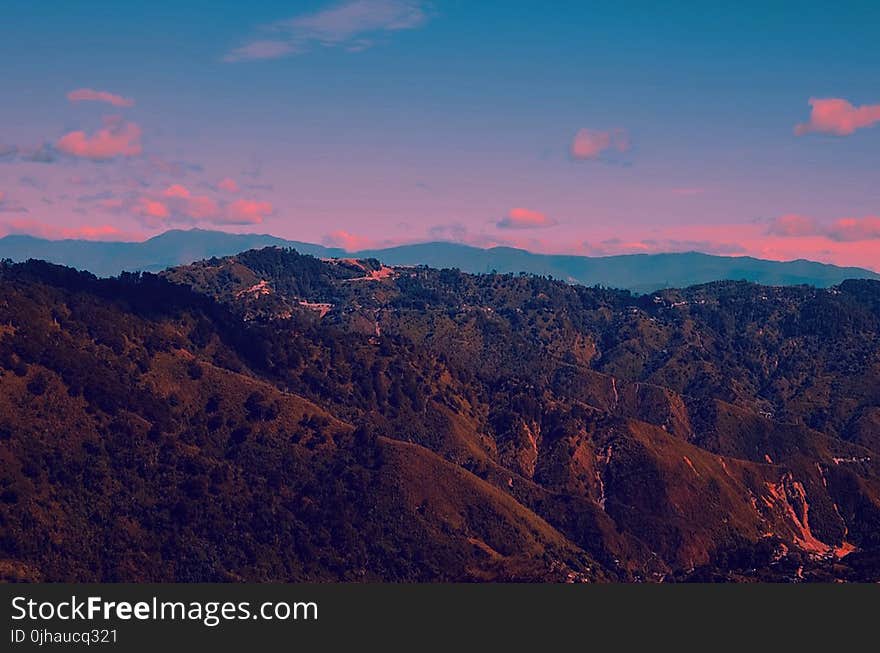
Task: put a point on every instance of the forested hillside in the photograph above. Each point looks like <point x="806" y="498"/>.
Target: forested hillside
<point x="272" y="416"/>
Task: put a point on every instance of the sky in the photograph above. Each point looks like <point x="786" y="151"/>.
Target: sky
<point x="589" y="128"/>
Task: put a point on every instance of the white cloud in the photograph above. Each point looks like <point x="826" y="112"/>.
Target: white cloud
<point x="354" y="25"/>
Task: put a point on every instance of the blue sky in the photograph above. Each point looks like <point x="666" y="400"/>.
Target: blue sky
<point x="383" y="121"/>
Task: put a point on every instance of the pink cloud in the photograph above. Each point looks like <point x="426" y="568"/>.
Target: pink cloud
<point x="348" y="241"/>
<point x="195" y="207"/>
<point x="115" y="139"/>
<point x="152" y="208"/>
<point x="176" y="190"/>
<point x="247" y="212"/>
<point x="150" y="212"/>
<point x="520" y="218"/>
<point x="178" y="204"/>
<point x="793" y="225"/>
<point x="590" y="143"/>
<point x="56" y="232"/>
<point x="841" y="230"/>
<point x="855" y="229"/>
<point x="91" y="95"/>
<point x="228" y="185"/>
<point x="837" y="116"/>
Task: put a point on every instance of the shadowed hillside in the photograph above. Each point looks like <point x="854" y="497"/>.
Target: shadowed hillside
<point x="272" y="416"/>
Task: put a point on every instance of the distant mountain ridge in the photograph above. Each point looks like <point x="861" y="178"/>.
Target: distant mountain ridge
<point x="636" y="272"/>
<point x="175" y="247"/>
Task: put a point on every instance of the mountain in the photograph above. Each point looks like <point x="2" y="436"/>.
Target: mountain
<point x="175" y="247"/>
<point x="636" y="272"/>
<point x="273" y="416"/>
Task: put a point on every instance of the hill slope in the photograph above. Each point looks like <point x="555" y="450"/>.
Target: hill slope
<point x="136" y="445"/>
<point x="350" y="420"/>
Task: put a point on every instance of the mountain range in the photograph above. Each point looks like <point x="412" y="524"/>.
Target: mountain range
<point x="271" y="416"/>
<point x="636" y="272"/>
